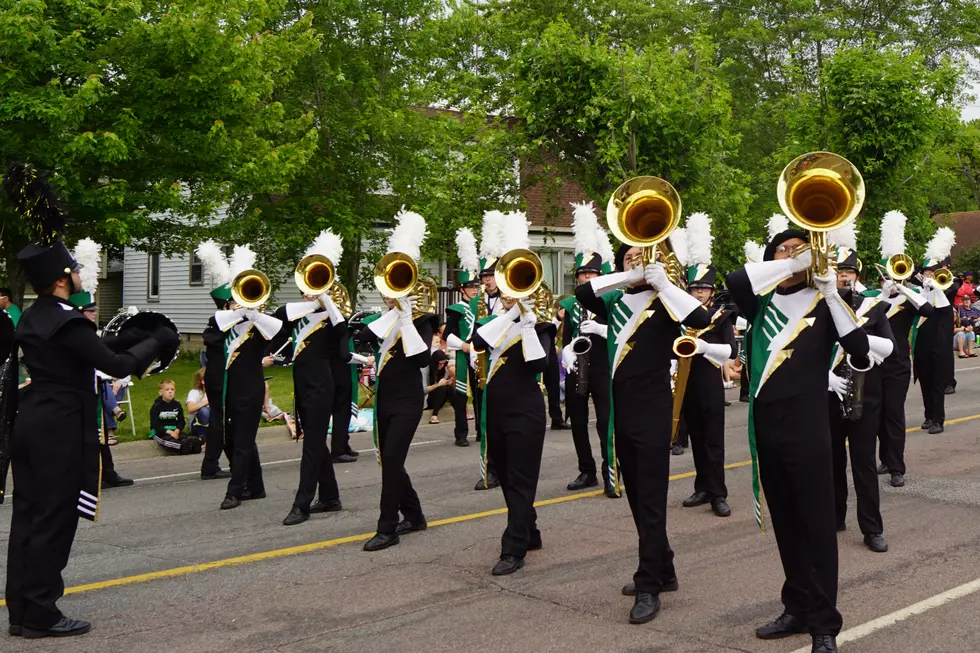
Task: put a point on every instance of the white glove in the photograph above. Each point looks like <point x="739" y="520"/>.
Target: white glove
<point x="827" y="284"/>
<point x="593" y="328"/>
<point x="838" y="385"/>
<point x="802" y="262"/>
<point x="929" y="283"/>
<point x="888" y="288"/>
<point x="333" y="313"/>
<point x="453" y="342"/>
<point x="656" y="276"/>
<point x="405" y="306"/>
<point x="766" y="275"/>
<point x="608" y="282"/>
<point x="917" y="299"/>
<point x="473" y="357"/>
<point x="528" y="318"/>
<point x="568" y="358"/>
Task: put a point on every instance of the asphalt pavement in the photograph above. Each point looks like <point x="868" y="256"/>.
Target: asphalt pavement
<point x="165" y="570"/>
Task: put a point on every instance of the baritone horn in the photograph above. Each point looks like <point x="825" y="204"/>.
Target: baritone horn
<point x="251" y="289"/>
<point x="314" y="275"/>
<point x="519" y="274"/>
<point x="820" y="192"/>
<point x="395" y="275"/>
<point x="643" y="212"/>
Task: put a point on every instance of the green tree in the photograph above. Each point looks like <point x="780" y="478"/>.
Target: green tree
<point x="141" y="108"/>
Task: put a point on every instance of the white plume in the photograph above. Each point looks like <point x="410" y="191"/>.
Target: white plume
<point x="89" y="254"/>
<point x="699" y="239"/>
<point x="584" y="225"/>
<point x="214" y="261"/>
<point x="605" y="248"/>
<point x="678" y="242"/>
<point x="242" y="258"/>
<point x="515" y="234"/>
<point x="408" y="234"/>
<point x="466" y="248"/>
<point x="491" y="245"/>
<point x="941" y="244"/>
<point x="328" y="244"/>
<point x="844" y="237"/>
<point x="893" y="234"/>
<point x="754" y="252"/>
<point x="778" y="223"/>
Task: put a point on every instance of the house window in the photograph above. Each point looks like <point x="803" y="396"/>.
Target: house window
<point x="153" y="277"/>
<point x="197" y="270"/>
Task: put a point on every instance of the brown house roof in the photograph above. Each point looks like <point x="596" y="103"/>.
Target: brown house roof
<point x="548" y="200"/>
<point x="967" y="228"/>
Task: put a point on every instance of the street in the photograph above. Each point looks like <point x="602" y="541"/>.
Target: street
<point x="165" y="570"/>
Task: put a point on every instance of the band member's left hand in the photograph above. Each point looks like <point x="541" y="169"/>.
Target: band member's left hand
<point x="528" y="319"/>
<point x="268" y="361"/>
<point x="656" y="276"/>
<point x="837" y="385"/>
<point x="593" y="328"/>
<point x="827" y="284"/>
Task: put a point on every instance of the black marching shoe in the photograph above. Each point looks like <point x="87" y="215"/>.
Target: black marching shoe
<point x="876" y="542"/>
<point x="15" y="631"/>
<point x="557" y="426"/>
<point x="645" y="608"/>
<point x="462" y="443"/>
<point x="898" y="480"/>
<point x="676" y="450"/>
<point x="824" y="644"/>
<point x="782" y="626"/>
<point x="611" y="492"/>
<point x="492" y="482"/>
<point x="582" y="481"/>
<point x="67" y="627"/>
<point x="381" y="541"/>
<point x="507" y="565"/>
<point x="629" y="589"/>
<point x="118" y="481"/>
<point x="949" y="390"/>
<point x="882" y="469"/>
<point x="248" y="495"/>
<point x="720" y="507"/>
<point x="221" y="473"/>
<point x="230" y="502"/>
<point x="841" y="528"/>
<point x="404" y="527"/>
<point x="295" y="516"/>
<point x="333" y="505"/>
<point x="353" y="454"/>
<point x="696" y="499"/>
<point x="344" y="458"/>
<point x="926" y="424"/>
<point x="936" y="428"/>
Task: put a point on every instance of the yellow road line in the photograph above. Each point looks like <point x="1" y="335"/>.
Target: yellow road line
<point x="350" y="539"/>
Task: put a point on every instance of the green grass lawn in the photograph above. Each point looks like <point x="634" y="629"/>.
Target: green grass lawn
<point x="144" y="393"/>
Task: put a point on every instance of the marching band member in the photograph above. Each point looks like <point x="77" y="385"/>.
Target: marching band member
<point x="905" y="306"/>
<point x="246" y="332"/>
<point x="858" y="433"/>
<point x="518" y="348"/>
<point x="581" y="323"/>
<point x="313" y="326"/>
<point x="933" y="343"/>
<point x="460" y="320"/>
<point x="704" y="401"/>
<point x="643" y="309"/>
<point x="402" y="349"/>
<point x="793" y="328"/>
<point x="54" y="446"/>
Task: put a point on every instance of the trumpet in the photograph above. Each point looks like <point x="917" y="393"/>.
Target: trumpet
<point x="251" y="289"/>
<point x="643" y="212"/>
<point x="314" y="275"/>
<point x="820" y="192"/>
<point x="898" y="268"/>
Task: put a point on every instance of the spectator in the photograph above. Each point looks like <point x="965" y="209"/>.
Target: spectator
<point x="167" y="422"/>
<point x="964" y="337"/>
<point x="270" y="411"/>
<point x="198" y="409"/>
<point x="438" y="385"/>
<point x="967" y="289"/>
<point x="113" y="391"/>
<point x="7" y="304"/>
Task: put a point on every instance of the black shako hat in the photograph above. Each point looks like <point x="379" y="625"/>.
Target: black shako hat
<point x="781" y="238"/>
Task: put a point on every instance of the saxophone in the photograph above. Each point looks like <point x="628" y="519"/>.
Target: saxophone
<point x="481" y="356"/>
<point x="852" y="404"/>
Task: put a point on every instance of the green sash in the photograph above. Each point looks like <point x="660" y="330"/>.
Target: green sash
<point x="574" y="310"/>
<point x="482" y="426"/>
<point x="619" y="314"/>
<point x="377" y="390"/>
<point x="14" y="314"/>
<point x="465" y="330"/>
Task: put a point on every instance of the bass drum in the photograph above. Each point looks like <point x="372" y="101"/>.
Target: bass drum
<point x="129" y="323"/>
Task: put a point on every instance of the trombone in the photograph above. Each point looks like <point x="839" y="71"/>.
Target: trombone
<point x="943" y="278"/>
<point x="820" y="192"/>
<point x="643" y="212"/>
<point x="898" y="267"/>
<point x="251" y="289"/>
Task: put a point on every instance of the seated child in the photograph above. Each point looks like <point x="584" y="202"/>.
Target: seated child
<point x="198" y="408"/>
<point x="167" y="422"/>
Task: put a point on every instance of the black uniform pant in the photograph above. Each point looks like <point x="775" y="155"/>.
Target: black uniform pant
<point x="517" y="446"/>
<point x="552" y="383"/>
<point x="891" y="425"/>
<point x="108" y="466"/>
<point x="315" y="466"/>
<point x="705" y="419"/>
<point x="932" y="383"/>
<point x="578" y="413"/>
<point x="795" y="464"/>
<point x="458" y="401"/>
<point x="343" y="398"/>
<point x="861" y="435"/>
<point x="214" y="440"/>
<point x="396" y="428"/>
<point x="643" y="449"/>
<point x="42" y="529"/>
<point x="241" y="429"/>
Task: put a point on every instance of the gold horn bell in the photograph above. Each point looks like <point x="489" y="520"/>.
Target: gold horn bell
<point x="314" y="275"/>
<point x="251" y="289"/>
<point x="820" y="192"/>
<point x="943" y="279"/>
<point x="898" y="267"/>
<point x="643" y="212"/>
<point x="395" y="275"/>
<point x="519" y="273"/>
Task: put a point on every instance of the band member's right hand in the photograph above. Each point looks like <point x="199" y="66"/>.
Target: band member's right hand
<point x="656" y="275"/>
<point x="634" y="274"/>
<point x="404" y="306"/>
<point x="802" y="261"/>
<point x="837" y="385"/>
<point x="568" y="358"/>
